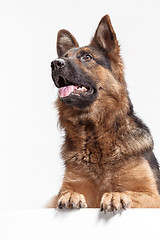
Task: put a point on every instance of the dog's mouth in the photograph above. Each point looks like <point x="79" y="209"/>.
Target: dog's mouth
<point x="67" y="88"/>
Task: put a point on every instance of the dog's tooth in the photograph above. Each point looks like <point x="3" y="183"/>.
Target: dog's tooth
<point x="84" y="89"/>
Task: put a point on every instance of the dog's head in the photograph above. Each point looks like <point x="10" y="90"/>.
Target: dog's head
<point x="90" y="74"/>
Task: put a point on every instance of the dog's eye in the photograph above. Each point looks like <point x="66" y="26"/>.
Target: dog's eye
<point x="87" y="58"/>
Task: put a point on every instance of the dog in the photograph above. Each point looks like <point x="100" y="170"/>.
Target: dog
<point x="108" y="150"/>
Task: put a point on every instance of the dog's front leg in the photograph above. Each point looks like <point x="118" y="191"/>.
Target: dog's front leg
<point x="71" y="193"/>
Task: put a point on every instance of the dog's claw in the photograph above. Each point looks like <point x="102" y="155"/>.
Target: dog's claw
<point x="101" y="207"/>
<point x="60" y="205"/>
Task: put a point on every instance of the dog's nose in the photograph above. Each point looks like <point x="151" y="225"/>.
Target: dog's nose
<point x="57" y="64"/>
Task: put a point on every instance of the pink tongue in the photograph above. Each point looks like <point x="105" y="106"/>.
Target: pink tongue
<point x="67" y="90"/>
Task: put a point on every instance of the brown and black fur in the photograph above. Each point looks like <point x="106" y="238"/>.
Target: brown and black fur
<point x="108" y="151"/>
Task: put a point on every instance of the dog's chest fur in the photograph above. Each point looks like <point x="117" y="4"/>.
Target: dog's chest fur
<point x="97" y="144"/>
<point x="106" y="155"/>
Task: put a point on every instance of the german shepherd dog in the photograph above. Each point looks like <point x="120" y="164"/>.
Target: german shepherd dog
<point x="109" y="162"/>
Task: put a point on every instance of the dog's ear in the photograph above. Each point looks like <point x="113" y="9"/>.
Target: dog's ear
<point x="105" y="36"/>
<point x="65" y="41"/>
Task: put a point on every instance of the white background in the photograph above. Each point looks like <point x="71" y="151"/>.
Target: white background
<point x="50" y="224"/>
<point x="30" y="165"/>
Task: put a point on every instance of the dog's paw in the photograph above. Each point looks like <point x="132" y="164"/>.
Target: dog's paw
<point x="115" y="201"/>
<point x="71" y="200"/>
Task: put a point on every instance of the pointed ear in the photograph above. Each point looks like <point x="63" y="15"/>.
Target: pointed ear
<point x="65" y="41"/>
<point x="105" y="36"/>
